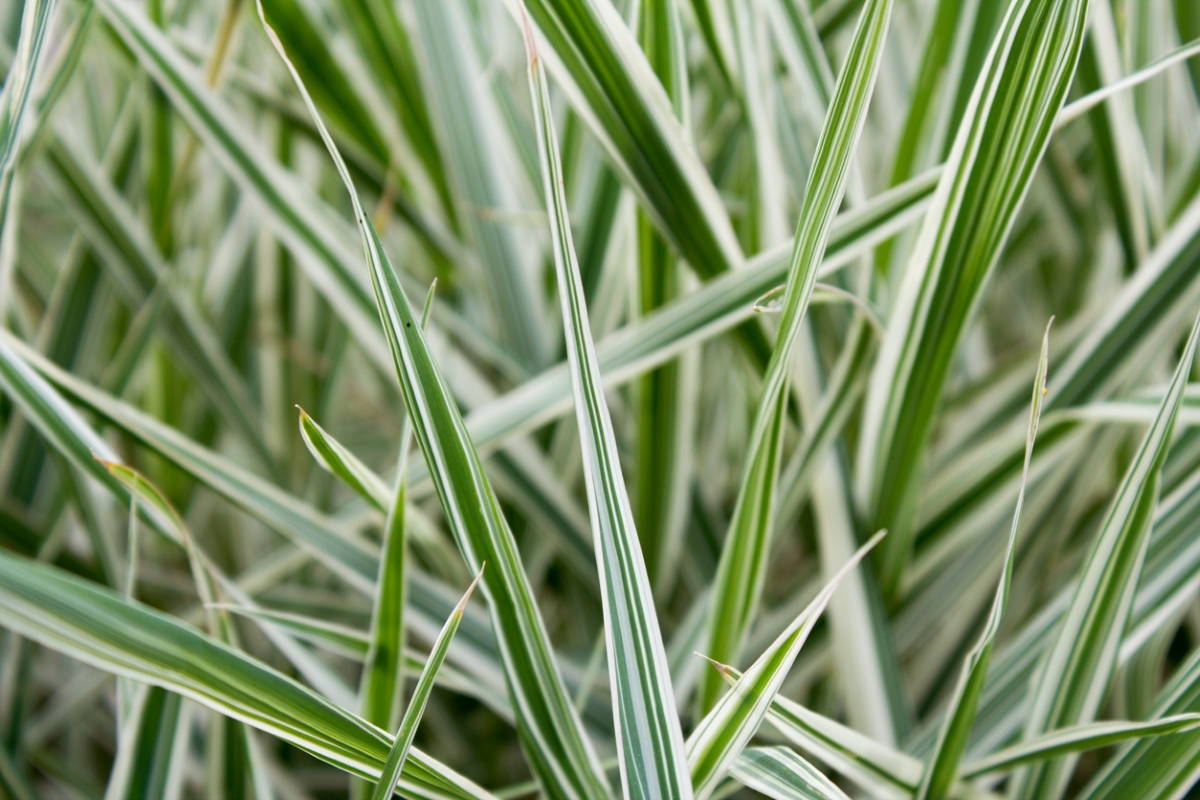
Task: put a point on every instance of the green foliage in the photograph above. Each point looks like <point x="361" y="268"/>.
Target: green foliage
<point x="802" y="536"/>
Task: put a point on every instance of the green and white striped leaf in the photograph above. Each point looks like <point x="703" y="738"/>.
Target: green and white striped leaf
<point x="381" y="686"/>
<point x="1075" y="676"/>
<point x="1077" y="739"/>
<point x="102" y="629"/>
<point x="552" y="734"/>
<point x="649" y="737"/>
<point x="999" y="144"/>
<point x="1164" y="767"/>
<point x="960" y="717"/>
<point x="872" y="765"/>
<point x="394" y="766"/>
<point x="333" y="456"/>
<point x="610" y="83"/>
<point x="724" y="732"/>
<point x="741" y="570"/>
<point x="781" y="774"/>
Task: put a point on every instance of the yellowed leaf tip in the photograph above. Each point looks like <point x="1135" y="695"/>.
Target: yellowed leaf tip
<point x="462" y="604"/>
<point x="721" y="668"/>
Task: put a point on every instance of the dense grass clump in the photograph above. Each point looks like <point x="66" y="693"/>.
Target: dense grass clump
<point x="599" y="399"/>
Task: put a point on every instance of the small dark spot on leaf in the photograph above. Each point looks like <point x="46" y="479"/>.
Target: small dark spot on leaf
<point x="408" y="324"/>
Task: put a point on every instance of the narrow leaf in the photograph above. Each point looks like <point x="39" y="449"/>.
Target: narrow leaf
<point x="650" y="740"/>
<point x="956" y="730"/>
<point x="781" y="774"/>
<point x="725" y="731"/>
<point x="394" y="765"/>
<point x="551" y="731"/>
<point x="1075" y="676"/>
<point x="1077" y="739"/>
<point x="999" y="144"/>
<point x="742" y="567"/>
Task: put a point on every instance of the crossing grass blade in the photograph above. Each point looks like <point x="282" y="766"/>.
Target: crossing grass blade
<point x="551" y="732"/>
<point x="100" y="628"/>
<point x="347" y="557"/>
<point x="1074" y="678"/>
<point x="724" y="732"/>
<point x="740" y="572"/>
<point x="717" y="307"/>
<point x="393" y="767"/>
<point x="781" y="774"/>
<point x="1079" y="738"/>
<point x="960" y="717"/>
<point x="987" y="174"/>
<point x="650" y="740"/>
<point x="1161" y="767"/>
<point x="870" y="764"/>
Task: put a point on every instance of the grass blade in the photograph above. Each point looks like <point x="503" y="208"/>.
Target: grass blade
<point x="1075" y="676"/>
<point x="1164" y="767"/>
<point x="740" y="572"/>
<point x="100" y="628"/>
<point x="551" y="732"/>
<point x="333" y="456"/>
<point x="781" y="774"/>
<point x="650" y="740"/>
<point x="595" y="58"/>
<point x="999" y="143"/>
<point x="725" y="731"/>
<point x="394" y="765"/>
<point x="952" y="741"/>
<point x="1077" y="739"/>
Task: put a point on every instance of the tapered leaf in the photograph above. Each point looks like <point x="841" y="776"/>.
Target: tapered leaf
<point x="551" y="731"/>
<point x="650" y="740"/>
<point x="1077" y="739"/>
<point x="985" y="178"/>
<point x="393" y="767"/>
<point x="381" y="687"/>
<point x="952" y="741"/>
<point x="348" y="557"/>
<point x="870" y="764"/>
<point x="742" y="568"/>
<point x="725" y="731"/>
<point x="333" y="456"/>
<point x="1074" y="678"/>
<point x="100" y="628"/>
